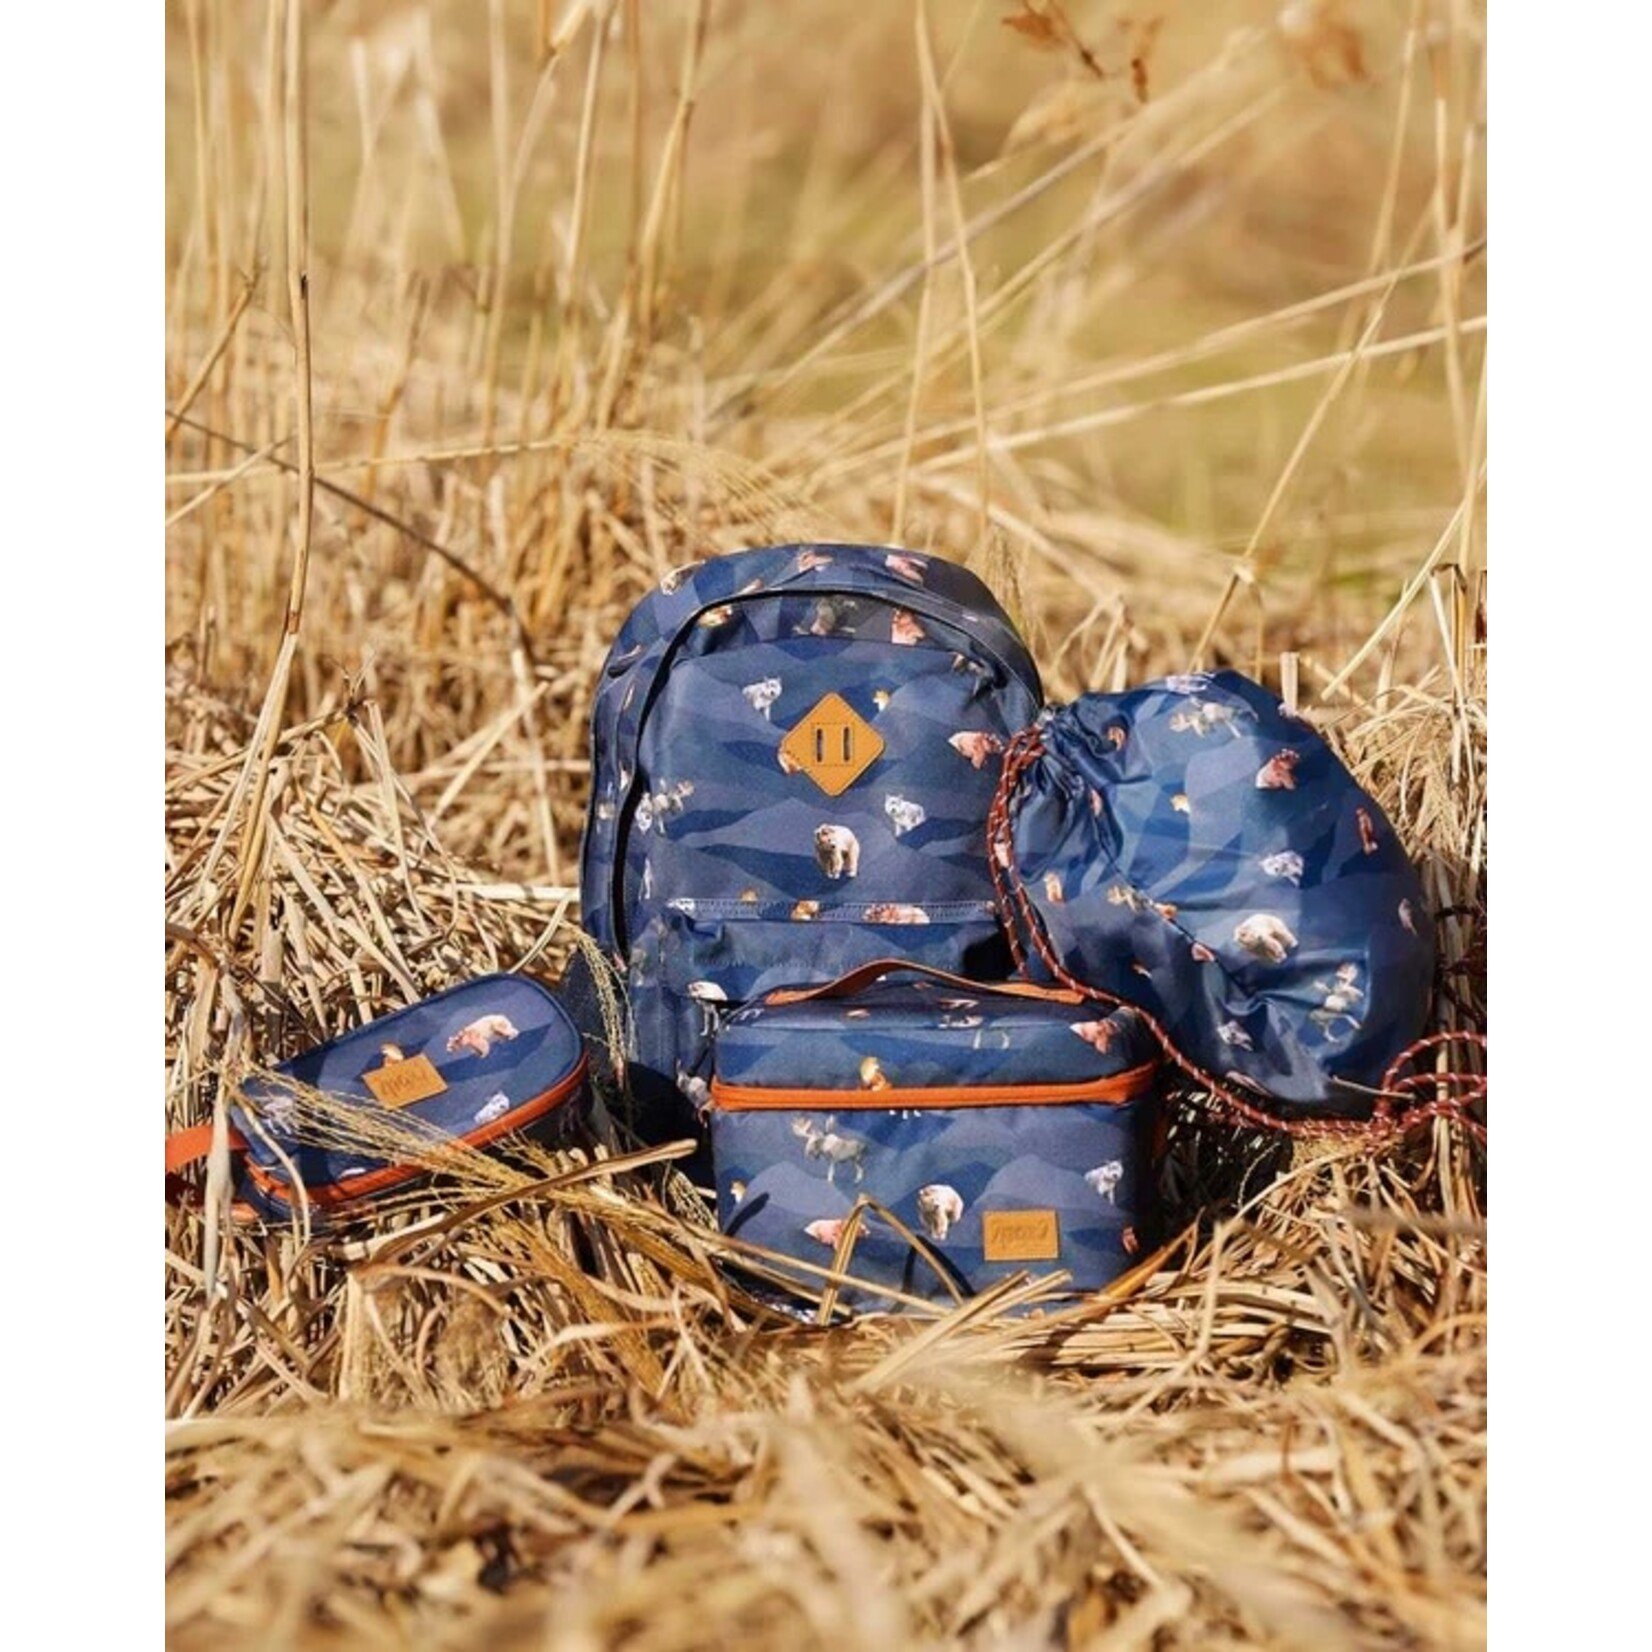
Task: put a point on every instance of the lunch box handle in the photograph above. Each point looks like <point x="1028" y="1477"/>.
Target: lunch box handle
<point x="846" y="986"/>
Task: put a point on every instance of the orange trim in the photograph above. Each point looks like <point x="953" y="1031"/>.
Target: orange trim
<point x="185" y="1147"/>
<point x="847" y="985"/>
<point x="327" y="1195"/>
<point x="755" y="1098"/>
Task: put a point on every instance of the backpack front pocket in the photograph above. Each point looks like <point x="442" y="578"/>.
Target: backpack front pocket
<point x="696" y="962"/>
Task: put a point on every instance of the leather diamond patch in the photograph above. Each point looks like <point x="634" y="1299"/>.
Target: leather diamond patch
<point x="834" y="745"/>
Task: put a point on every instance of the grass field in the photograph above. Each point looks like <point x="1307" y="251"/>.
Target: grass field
<point x="1170" y="322"/>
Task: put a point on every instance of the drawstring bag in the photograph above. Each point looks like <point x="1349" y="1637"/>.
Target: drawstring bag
<point x="1193" y="849"/>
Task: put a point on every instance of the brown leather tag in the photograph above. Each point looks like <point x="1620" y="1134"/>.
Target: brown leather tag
<point x="834" y="745"/>
<point x="1020" y="1236"/>
<point x="400" y="1083"/>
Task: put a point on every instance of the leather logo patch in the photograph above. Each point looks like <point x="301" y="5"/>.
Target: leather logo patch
<point x="1020" y="1236"/>
<point x="400" y="1083"/>
<point x="834" y="745"/>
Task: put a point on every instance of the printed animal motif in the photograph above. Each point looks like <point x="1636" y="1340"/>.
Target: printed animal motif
<point x="279" y="1111"/>
<point x="958" y="1003"/>
<point x="761" y="695"/>
<point x="895" y="912"/>
<point x="1115" y="734"/>
<point x="695" y="1088"/>
<point x="805" y="911"/>
<point x="904" y="815"/>
<point x="749" y="897"/>
<point x="1367" y="831"/>
<point x="940" y="1208"/>
<point x="662" y="804"/>
<point x="478" y="1036"/>
<point x="1407" y="918"/>
<point x="821" y="1141"/>
<point x="960" y="1023"/>
<point x="837" y="849"/>
<point x="1121" y="894"/>
<point x="1278" y="774"/>
<point x="871" y="1075"/>
<point x="1053" y="891"/>
<point x="788" y="763"/>
<point x="976" y="744"/>
<point x="1202" y="953"/>
<point x="1231" y="1033"/>
<point x="1095" y="802"/>
<point x="495" y="1107"/>
<point x="905" y="567"/>
<point x="1166" y="910"/>
<point x="1181" y="804"/>
<point x="737" y="1190"/>
<point x="1286" y="864"/>
<point x="1341" y="995"/>
<point x="811" y="559"/>
<point x="713" y="617"/>
<point x="881" y="698"/>
<point x="646" y="887"/>
<point x="1104" y="1179"/>
<point x="962" y="662"/>
<point x="1204" y="717"/>
<point x="827" y="1231"/>
<point x="1191" y="682"/>
<point x="1127" y="1238"/>
<point x="391" y="1052"/>
<point x="708" y="995"/>
<point x="1097" y="1034"/>
<point x="1266" y="936"/>
<point x="672" y="579"/>
<point x="905" y="630"/>
<point x="605" y="810"/>
<point x="826" y="619"/>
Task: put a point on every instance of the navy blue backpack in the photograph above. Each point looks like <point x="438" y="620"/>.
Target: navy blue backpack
<point x="793" y="754"/>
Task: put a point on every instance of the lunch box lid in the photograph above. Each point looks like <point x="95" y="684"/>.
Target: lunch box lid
<point x="905" y="1029"/>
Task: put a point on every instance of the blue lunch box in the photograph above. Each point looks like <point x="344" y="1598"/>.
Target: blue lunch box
<point x="1009" y="1127"/>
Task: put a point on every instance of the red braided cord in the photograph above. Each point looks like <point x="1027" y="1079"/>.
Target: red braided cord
<point x="1455" y="1092"/>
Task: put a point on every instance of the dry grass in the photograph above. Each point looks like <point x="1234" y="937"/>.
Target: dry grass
<point x="480" y="319"/>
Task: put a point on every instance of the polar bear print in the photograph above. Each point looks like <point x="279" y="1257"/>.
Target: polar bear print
<point x="1105" y="1178"/>
<point x="940" y="1209"/>
<point x="761" y="695"/>
<point x="904" y="815"/>
<point x="837" y="849"/>
<point x="1266" y="936"/>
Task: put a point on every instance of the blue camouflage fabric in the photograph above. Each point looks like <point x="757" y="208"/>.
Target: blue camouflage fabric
<point x="712" y="869"/>
<point x="1190" y="847"/>
<point x="955" y="1108"/>
<point x="504" y="1052"/>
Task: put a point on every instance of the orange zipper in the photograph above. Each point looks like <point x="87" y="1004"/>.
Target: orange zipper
<point x="330" y="1194"/>
<point x="753" y="1098"/>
